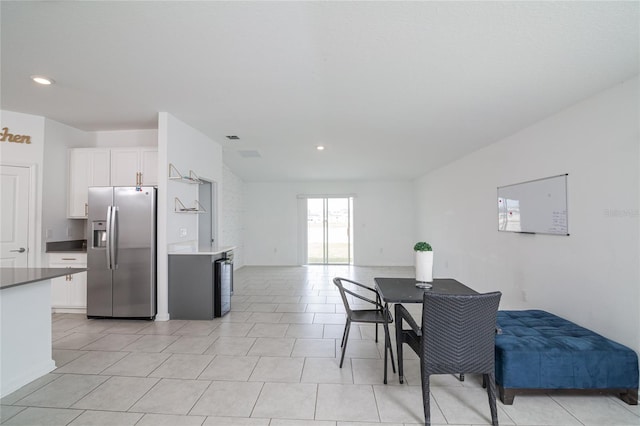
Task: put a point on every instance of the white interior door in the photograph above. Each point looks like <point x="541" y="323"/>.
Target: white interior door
<point x="14" y="216"/>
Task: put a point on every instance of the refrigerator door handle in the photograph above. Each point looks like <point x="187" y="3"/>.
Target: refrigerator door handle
<point x="114" y="238"/>
<point x="108" y="242"/>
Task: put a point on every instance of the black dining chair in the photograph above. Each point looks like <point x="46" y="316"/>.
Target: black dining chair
<point x="457" y="335"/>
<point x="377" y="315"/>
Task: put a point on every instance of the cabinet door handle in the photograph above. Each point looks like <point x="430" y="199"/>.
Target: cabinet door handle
<point x="69" y="258"/>
<point x="86" y="209"/>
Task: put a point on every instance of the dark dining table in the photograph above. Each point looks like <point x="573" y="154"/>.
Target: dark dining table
<point x="405" y="290"/>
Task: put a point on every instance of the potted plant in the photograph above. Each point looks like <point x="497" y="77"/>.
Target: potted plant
<point x="424" y="262"/>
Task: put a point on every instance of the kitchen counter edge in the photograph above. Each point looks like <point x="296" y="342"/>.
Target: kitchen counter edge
<point x="13" y="277"/>
<point x="202" y="250"/>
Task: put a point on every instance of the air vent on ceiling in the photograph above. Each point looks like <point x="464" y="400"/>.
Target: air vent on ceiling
<point x="233" y="137"/>
<point x="249" y="154"/>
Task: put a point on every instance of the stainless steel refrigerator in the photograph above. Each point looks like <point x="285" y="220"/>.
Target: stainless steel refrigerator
<point x="121" y="252"/>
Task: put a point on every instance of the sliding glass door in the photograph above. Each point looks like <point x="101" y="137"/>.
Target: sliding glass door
<point x="329" y="230"/>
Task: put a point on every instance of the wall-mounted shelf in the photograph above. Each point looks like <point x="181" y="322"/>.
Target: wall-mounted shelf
<point x="179" y="207"/>
<point x="174" y="174"/>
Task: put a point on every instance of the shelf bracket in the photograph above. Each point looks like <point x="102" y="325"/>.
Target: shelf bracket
<point x="179" y="207"/>
<point x="174" y="174"/>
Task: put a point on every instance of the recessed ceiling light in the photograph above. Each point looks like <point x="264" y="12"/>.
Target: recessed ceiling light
<point x="40" y="79"/>
<point x="320" y="147"/>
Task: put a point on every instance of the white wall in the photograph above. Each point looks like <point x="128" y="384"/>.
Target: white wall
<point x="125" y="138"/>
<point x="232" y="215"/>
<point x="32" y="155"/>
<point x="383" y="221"/>
<point x="590" y="277"/>
<point x="58" y="139"/>
<point x="187" y="149"/>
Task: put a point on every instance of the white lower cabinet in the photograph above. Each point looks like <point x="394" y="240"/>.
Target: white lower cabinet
<point x="69" y="293"/>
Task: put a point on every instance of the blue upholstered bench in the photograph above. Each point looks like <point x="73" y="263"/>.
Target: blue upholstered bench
<point x="538" y="351"/>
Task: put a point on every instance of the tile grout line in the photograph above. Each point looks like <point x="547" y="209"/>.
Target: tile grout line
<point x="564" y="408"/>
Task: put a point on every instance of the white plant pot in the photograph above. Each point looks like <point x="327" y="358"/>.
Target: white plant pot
<point x="424" y="266"/>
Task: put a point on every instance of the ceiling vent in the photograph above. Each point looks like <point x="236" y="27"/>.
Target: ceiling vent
<point x="249" y="154"/>
<point x="233" y="137"/>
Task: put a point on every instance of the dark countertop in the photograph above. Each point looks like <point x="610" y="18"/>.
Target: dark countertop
<point x="73" y="246"/>
<point x="404" y="290"/>
<point x="12" y="277"/>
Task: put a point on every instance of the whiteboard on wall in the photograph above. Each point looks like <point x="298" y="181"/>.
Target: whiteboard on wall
<point x="534" y="207"/>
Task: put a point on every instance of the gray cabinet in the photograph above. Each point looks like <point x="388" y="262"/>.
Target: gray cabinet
<point x="192" y="286"/>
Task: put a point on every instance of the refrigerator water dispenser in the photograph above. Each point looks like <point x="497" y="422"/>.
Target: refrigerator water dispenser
<point x="99" y="232"/>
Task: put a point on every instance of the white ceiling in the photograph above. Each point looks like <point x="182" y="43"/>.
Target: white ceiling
<point x="392" y="89"/>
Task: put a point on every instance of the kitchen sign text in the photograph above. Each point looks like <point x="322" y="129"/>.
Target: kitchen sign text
<point x="5" y="136"/>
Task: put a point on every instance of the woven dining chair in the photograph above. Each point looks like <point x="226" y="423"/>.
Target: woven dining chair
<point x="457" y="335"/>
<point x="372" y="316"/>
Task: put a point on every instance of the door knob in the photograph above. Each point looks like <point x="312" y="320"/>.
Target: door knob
<point x="21" y="250"/>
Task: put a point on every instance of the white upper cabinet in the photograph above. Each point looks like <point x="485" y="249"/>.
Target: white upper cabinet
<point x="134" y="166"/>
<point x="107" y="167"/>
<point x="149" y="166"/>
<point x="87" y="167"/>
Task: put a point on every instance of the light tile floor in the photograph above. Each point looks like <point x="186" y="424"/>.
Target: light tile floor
<point x="272" y="361"/>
